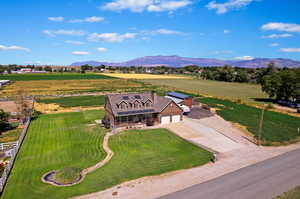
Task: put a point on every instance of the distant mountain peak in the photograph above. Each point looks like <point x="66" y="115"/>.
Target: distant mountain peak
<point x="177" y="61"/>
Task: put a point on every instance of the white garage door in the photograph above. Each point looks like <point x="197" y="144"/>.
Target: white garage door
<point x="165" y="119"/>
<point x="175" y="118"/>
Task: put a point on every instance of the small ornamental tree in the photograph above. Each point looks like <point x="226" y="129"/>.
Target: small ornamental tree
<point x="4" y="125"/>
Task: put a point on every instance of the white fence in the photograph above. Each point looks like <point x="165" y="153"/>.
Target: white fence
<point x="8" y="145"/>
<point x="14" y="152"/>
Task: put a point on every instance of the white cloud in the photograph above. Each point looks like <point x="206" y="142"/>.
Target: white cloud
<point x="74" y="42"/>
<point x="59" y="19"/>
<point x="164" y="32"/>
<point x="290" y="50"/>
<point x="80" y="53"/>
<point x="226" y="31"/>
<point x="13" y="48"/>
<point x="53" y="33"/>
<point x="92" y="19"/>
<point x="218" y="52"/>
<point x="222" y="8"/>
<point x="244" y="58"/>
<point x="274" y="44"/>
<point x="168" y="6"/>
<point x="284" y="27"/>
<point x="101" y="49"/>
<point x="276" y="36"/>
<point x="149" y="5"/>
<point x="111" y="37"/>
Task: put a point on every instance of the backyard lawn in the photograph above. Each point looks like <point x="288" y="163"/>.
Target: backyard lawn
<point x="64" y="140"/>
<point x="52" y="76"/>
<point x="278" y="128"/>
<point x="98" y="100"/>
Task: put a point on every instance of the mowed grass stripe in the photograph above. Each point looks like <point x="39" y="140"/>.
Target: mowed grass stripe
<point x="53" y="76"/>
<point x="138" y="153"/>
<point x="74" y="101"/>
<point x="48" y="146"/>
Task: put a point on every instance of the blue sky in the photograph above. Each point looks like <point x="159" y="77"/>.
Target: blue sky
<point x="65" y="31"/>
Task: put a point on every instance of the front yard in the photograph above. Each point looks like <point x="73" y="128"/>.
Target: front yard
<point x="65" y="140"/>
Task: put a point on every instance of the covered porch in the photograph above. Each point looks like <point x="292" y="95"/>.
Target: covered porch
<point x="138" y="119"/>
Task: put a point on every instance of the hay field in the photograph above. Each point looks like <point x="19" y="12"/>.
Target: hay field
<point x="145" y="76"/>
<point x="55" y="87"/>
<point x="247" y="93"/>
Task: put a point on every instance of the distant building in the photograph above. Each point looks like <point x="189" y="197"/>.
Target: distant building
<point x="122" y="110"/>
<point x="183" y="100"/>
<point x="4" y="82"/>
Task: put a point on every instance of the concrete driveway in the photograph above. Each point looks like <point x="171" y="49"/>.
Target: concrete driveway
<point x="217" y="137"/>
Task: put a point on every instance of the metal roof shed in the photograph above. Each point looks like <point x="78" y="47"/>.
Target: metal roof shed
<point x="178" y="95"/>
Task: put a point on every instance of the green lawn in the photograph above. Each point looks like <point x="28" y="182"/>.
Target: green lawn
<point x="76" y="101"/>
<point x="292" y="194"/>
<point x="62" y="140"/>
<point x="52" y="76"/>
<point x="227" y="90"/>
<point x="277" y="127"/>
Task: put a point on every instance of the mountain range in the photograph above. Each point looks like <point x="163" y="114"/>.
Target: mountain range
<point x="177" y="61"/>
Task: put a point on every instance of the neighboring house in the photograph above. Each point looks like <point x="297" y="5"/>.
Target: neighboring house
<point x="122" y="110"/>
<point x="183" y="100"/>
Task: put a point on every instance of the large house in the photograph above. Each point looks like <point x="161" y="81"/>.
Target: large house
<point x="122" y="110"/>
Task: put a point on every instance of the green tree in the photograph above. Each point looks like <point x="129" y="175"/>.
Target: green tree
<point x="4" y="124"/>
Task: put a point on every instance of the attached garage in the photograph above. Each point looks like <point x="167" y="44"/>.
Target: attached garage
<point x="175" y="118"/>
<point x="172" y="113"/>
<point x="165" y="119"/>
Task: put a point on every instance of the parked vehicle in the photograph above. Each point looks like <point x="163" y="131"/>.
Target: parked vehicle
<point x="287" y="103"/>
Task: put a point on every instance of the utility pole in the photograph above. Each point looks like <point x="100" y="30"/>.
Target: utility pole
<point x="261" y="125"/>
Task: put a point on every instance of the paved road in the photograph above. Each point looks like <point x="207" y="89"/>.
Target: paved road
<point x="264" y="180"/>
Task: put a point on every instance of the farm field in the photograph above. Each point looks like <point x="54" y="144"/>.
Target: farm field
<point x="278" y="128"/>
<point x="57" y="141"/>
<point x="145" y="76"/>
<point x="62" y="87"/>
<point x="52" y="76"/>
<point x="233" y="91"/>
<point x="75" y="101"/>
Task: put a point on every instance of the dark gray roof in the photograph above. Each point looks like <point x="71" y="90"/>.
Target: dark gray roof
<point x="158" y="105"/>
<point x="178" y="95"/>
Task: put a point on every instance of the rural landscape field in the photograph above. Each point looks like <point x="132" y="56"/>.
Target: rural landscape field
<point x="247" y="93"/>
<point x="150" y="99"/>
<point x="60" y="121"/>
